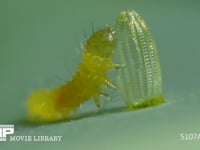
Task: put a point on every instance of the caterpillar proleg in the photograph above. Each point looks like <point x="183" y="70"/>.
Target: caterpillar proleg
<point x="140" y="81"/>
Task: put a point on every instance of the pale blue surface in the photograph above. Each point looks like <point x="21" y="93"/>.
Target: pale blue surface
<point x="38" y="43"/>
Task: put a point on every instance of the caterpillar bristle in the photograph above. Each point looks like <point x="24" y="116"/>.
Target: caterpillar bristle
<point x="93" y="28"/>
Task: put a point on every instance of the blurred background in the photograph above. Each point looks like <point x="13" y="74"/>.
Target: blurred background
<point x="40" y="48"/>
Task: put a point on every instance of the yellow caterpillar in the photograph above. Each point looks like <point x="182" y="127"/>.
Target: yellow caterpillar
<point x="56" y="104"/>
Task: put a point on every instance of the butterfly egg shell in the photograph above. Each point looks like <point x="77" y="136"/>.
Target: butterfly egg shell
<point x="56" y="104"/>
<point x="140" y="81"/>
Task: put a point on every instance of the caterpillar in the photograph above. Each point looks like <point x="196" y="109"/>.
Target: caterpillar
<point x="56" y="104"/>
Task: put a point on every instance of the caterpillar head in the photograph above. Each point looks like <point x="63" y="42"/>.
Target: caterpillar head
<point x="102" y="43"/>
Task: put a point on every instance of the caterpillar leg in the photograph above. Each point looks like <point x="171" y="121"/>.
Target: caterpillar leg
<point x="107" y="98"/>
<point x="109" y="84"/>
<point x="97" y="100"/>
<point x="119" y="66"/>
